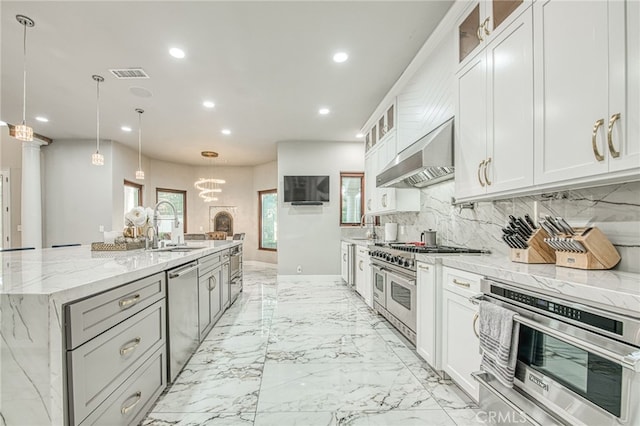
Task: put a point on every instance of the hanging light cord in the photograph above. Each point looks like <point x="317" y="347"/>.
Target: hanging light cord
<point x="97" y="116"/>
<point x="139" y="140"/>
<point x="24" y="76"/>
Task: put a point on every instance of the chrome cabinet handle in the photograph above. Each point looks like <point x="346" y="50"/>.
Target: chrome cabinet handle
<point x="129" y="346"/>
<point x="594" y="135"/>
<point x="344" y="256"/>
<point x="384" y="200"/>
<point x="461" y="283"/>
<point x="360" y="265"/>
<point x="424" y="268"/>
<point x="486" y="178"/>
<point x="369" y="204"/>
<point x="475" y="320"/>
<point x="127" y="303"/>
<point x="137" y="396"/>
<point x="479" y="33"/>
<point x="482" y="184"/>
<point x="612" y="149"/>
<point x="215" y="283"/>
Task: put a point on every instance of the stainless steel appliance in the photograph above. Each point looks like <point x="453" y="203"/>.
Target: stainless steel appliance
<point x="182" y="316"/>
<point x="394" y="282"/>
<point x="577" y="363"/>
<point x="235" y="272"/>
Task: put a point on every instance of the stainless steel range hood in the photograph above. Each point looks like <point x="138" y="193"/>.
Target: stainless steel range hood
<point x="427" y="161"/>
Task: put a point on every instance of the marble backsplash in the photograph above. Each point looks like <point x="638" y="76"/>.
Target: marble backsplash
<point x="615" y="209"/>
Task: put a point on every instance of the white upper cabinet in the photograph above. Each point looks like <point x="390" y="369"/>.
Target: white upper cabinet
<point x="484" y="21"/>
<point x="494" y="132"/>
<point x="586" y="81"/>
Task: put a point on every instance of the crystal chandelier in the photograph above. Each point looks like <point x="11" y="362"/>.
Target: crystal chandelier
<point x="97" y="159"/>
<point x="208" y="187"/>
<point x="22" y="131"/>
<point x="139" y="172"/>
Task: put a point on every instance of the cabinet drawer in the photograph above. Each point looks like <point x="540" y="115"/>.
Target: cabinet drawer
<point x="131" y="401"/>
<point x="464" y="283"/>
<point x="100" y="365"/>
<point x="207" y="263"/>
<point x="87" y="318"/>
<point x="363" y="251"/>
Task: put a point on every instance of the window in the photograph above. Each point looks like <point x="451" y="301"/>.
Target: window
<point x="132" y="195"/>
<point x="351" y="198"/>
<point x="268" y="219"/>
<point x="179" y="200"/>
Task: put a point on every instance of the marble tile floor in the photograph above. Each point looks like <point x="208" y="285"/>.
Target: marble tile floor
<point x="307" y="353"/>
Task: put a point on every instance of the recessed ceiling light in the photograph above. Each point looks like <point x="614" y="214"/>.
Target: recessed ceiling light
<point x="208" y="104"/>
<point x="176" y="53"/>
<point x="2" y="123"/>
<point x="359" y="135"/>
<point x="42" y="119"/>
<point x="340" y="57"/>
<point x="226" y="131"/>
<point x="323" y="111"/>
<point x="126" y="128"/>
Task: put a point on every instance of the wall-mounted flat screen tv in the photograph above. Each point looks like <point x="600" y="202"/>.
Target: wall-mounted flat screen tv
<point x="306" y="189"/>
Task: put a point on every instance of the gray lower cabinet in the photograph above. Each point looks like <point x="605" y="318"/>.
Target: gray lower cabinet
<point x="116" y="353"/>
<point x="211" y="282"/>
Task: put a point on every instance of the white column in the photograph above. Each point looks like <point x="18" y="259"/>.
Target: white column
<point x="31" y="195"/>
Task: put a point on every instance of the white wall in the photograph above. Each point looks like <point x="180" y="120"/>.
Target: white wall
<point x="11" y="159"/>
<point x="77" y="195"/>
<point x="309" y="236"/>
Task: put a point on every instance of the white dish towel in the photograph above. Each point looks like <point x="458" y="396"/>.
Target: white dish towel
<point x="498" y="342"/>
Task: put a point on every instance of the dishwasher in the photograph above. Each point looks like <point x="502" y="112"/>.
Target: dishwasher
<point x="182" y="316"/>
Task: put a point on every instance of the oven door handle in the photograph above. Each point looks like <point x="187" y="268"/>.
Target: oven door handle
<point x="623" y="357"/>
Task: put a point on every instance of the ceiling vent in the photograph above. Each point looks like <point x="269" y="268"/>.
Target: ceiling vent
<point x="129" y="73"/>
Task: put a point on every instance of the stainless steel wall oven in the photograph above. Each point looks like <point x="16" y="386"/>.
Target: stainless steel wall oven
<point x="580" y="364"/>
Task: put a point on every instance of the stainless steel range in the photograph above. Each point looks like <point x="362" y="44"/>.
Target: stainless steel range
<point x="394" y="281"/>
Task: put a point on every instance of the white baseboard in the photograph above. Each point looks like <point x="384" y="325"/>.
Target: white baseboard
<point x="309" y="278"/>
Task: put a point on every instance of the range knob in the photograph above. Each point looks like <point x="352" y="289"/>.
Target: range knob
<point x="408" y="263"/>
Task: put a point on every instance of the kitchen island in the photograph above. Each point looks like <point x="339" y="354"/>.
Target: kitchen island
<point x="35" y="287"/>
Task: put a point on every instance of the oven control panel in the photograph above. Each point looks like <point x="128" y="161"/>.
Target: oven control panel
<point x="558" y="309"/>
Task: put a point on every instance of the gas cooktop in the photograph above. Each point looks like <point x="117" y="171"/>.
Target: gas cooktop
<point x="412" y="248"/>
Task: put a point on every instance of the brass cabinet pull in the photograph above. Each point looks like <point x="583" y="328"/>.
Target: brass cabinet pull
<point x="594" y="135"/>
<point x="612" y="149"/>
<point x="129" y="346"/>
<point x="479" y="32"/>
<point x="479" y="169"/>
<point x="486" y="178"/>
<point x="127" y="303"/>
<point x="485" y="26"/>
<point x="424" y="268"/>
<point x="215" y="283"/>
<point x="360" y="265"/>
<point x="475" y="320"/>
<point x="461" y="283"/>
<point x="137" y="396"/>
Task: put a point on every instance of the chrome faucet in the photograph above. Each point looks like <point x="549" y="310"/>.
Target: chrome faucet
<point x="363" y="223"/>
<point x="156" y="219"/>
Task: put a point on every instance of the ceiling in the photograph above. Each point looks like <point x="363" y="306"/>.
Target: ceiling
<point x="267" y="66"/>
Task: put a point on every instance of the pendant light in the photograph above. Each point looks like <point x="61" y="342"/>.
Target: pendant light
<point x="208" y="187"/>
<point x="139" y="172"/>
<point x="97" y="159"/>
<point x="22" y="131"/>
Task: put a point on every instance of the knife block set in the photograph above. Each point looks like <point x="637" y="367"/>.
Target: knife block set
<point x="599" y="252"/>
<point x="537" y="251"/>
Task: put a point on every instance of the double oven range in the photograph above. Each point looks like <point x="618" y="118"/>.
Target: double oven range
<point x="394" y="281"/>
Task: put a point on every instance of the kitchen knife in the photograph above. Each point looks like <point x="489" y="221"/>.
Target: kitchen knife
<point x="522" y="241"/>
<point x="579" y="246"/>
<point x="530" y="222"/>
<point x="551" y="231"/>
<point x="508" y="231"/>
<point x="568" y="229"/>
<point x="505" y="238"/>
<point x="524" y="226"/>
<point x="551" y="222"/>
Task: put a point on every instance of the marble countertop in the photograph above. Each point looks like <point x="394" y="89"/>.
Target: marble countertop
<point x="365" y="242"/>
<point x="71" y="273"/>
<point x="604" y="288"/>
